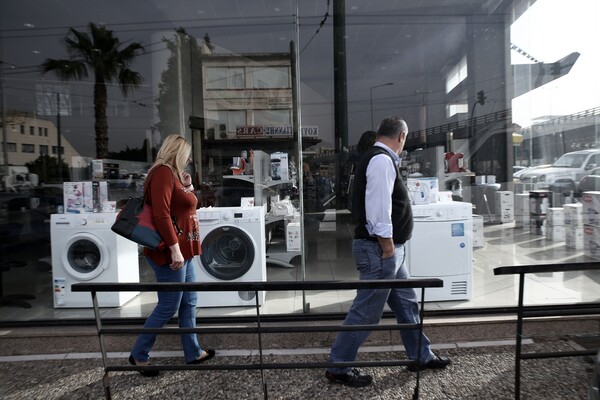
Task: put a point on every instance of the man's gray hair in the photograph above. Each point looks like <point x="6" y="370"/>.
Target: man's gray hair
<point x="391" y="127"/>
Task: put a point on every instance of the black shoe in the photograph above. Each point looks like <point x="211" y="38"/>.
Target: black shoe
<point x="353" y="378"/>
<point x="435" y="363"/>
<point x="144" y="373"/>
<point x="209" y="354"/>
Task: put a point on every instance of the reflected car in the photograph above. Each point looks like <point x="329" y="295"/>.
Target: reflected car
<point x="519" y="170"/>
<point x="591" y="182"/>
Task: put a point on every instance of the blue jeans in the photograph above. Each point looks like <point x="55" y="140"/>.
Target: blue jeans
<point x="368" y="305"/>
<point x="168" y="304"/>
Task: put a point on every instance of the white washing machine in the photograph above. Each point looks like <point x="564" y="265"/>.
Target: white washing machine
<point x="84" y="249"/>
<point x="233" y="250"/>
<point x="441" y="247"/>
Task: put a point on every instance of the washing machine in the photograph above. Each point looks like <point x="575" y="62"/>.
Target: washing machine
<point x="233" y="250"/>
<point x="84" y="249"/>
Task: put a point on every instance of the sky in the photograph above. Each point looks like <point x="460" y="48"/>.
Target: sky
<point x="550" y="30"/>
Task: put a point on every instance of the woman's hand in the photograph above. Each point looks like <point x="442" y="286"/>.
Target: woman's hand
<point x="187" y="179"/>
<point x="176" y="257"/>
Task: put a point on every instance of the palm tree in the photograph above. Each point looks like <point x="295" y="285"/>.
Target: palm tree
<point x="102" y="54"/>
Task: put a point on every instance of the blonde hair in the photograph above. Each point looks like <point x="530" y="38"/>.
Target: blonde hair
<point x="174" y="152"/>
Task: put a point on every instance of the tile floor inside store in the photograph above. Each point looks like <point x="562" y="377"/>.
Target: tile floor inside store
<point x="329" y="258"/>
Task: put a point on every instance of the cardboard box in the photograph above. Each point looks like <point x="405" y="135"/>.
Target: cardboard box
<point x="591" y="241"/>
<point x="100" y="195"/>
<point x="293" y="237"/>
<point x="556" y="216"/>
<point x="521" y="201"/>
<point x="507" y="215"/>
<point x="522" y="221"/>
<point x="423" y="190"/>
<point x="78" y="197"/>
<point x="591" y="208"/>
<point x="504" y="198"/>
<point x="556" y="233"/>
<point x="573" y="214"/>
<point x="478" y="239"/>
<point x="574" y="237"/>
<point x="280" y="166"/>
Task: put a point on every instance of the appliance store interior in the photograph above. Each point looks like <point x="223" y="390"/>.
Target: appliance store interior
<point x="501" y="158"/>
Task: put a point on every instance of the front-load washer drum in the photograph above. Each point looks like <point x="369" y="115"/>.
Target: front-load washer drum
<point x="227" y="253"/>
<point x="85" y="256"/>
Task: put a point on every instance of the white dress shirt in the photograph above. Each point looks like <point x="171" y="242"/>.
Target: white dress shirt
<point x="381" y="174"/>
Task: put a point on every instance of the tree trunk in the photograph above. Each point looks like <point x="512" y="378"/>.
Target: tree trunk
<point x="101" y="125"/>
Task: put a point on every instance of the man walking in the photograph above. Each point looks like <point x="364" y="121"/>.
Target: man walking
<point x="384" y="223"/>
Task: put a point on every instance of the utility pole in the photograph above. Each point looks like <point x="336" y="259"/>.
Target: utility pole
<point x="58" y="137"/>
<point x="4" y="133"/>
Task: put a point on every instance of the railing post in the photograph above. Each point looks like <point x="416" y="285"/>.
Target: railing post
<point x="105" y="377"/>
<point x="260" y="347"/>
<point x="419" y="342"/>
<point x="519" y="337"/>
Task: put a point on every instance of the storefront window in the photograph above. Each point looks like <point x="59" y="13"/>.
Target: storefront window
<point x="275" y="101"/>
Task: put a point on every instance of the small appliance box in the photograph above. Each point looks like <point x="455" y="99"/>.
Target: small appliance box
<point x="78" y="197"/>
<point x="591" y="208"/>
<point x="505" y="206"/>
<point x="280" y="166"/>
<point x="521" y="204"/>
<point x="423" y="190"/>
<point x="556" y="233"/>
<point x="292" y="234"/>
<point x="574" y="237"/>
<point x="573" y="214"/>
<point x="591" y="241"/>
<point x="556" y="216"/>
<point x="478" y="238"/>
<point x="100" y="190"/>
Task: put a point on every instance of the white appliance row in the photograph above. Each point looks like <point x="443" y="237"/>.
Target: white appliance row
<point x="84" y="249"/>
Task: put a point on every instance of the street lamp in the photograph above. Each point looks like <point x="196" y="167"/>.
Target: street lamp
<point x="371" y="97"/>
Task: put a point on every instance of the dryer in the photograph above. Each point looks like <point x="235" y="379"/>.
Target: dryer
<point x="233" y="250"/>
<point x="84" y="249"/>
<point x="441" y="247"/>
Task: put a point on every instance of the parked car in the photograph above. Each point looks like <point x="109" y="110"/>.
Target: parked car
<point x="567" y="171"/>
<point x="591" y="182"/>
<point x="519" y="170"/>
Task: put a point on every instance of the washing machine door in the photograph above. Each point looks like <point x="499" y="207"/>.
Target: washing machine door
<point x="84" y="256"/>
<point x="227" y="253"/>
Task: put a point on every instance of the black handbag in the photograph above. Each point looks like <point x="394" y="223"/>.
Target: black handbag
<point x="135" y="223"/>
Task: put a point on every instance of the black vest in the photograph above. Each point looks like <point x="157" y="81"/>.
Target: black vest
<point x="402" y="219"/>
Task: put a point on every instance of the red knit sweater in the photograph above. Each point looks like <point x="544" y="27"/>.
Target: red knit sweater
<point x="168" y="196"/>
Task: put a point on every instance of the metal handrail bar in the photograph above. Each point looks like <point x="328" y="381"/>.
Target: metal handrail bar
<point x="527" y="312"/>
<point x="256" y="287"/>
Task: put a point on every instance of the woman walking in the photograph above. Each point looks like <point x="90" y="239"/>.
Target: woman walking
<point x="171" y="194"/>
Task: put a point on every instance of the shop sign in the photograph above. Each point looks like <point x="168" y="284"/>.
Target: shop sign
<point x="249" y="131"/>
<point x="310" y="131"/>
<point x="274" y="131"/>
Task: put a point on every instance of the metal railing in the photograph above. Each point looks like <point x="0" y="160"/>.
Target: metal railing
<point x="533" y="312"/>
<point x="258" y="329"/>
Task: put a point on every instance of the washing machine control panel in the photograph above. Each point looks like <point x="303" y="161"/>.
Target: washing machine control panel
<point x="237" y="215"/>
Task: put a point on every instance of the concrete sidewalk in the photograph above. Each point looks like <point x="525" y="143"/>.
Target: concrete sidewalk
<point x="64" y="363"/>
<point x="479" y="371"/>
